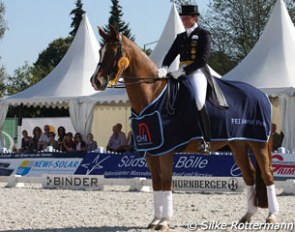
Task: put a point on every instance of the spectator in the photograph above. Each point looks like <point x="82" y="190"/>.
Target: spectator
<point x="117" y="140"/>
<point x="26" y="142"/>
<point x="68" y="144"/>
<point x="91" y="145"/>
<point x="119" y="125"/>
<point x="129" y="143"/>
<point x="36" y="146"/>
<point x="61" y="134"/>
<point x="44" y="138"/>
<point x="277" y="139"/>
<point x="52" y="142"/>
<point x="79" y="144"/>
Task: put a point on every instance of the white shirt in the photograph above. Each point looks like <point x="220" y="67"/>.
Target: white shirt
<point x="116" y="142"/>
<point x="191" y="29"/>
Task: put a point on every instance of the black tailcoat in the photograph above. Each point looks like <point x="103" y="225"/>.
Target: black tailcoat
<point x="196" y="50"/>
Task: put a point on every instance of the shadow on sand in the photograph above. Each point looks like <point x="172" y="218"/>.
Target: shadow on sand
<point x="83" y="229"/>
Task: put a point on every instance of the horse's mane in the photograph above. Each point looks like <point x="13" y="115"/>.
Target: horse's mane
<point x="147" y="61"/>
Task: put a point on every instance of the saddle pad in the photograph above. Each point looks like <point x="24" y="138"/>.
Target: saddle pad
<point x="247" y="118"/>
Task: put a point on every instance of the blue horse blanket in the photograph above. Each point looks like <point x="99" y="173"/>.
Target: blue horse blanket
<point x="171" y="120"/>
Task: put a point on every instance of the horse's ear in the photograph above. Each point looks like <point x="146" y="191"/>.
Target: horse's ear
<point x="114" y="33"/>
<point x="103" y="34"/>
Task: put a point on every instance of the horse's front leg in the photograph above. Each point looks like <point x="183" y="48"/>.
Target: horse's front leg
<point x="161" y="168"/>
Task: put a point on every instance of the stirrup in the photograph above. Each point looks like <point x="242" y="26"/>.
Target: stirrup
<point x="205" y="147"/>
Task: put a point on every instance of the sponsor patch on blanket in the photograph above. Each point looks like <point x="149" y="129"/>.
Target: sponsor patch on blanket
<point x="148" y="132"/>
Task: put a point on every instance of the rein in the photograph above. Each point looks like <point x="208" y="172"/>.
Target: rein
<point x="146" y="80"/>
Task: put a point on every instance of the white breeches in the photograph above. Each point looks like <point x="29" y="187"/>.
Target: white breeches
<point x="199" y="83"/>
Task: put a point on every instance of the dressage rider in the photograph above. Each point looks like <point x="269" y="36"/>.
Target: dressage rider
<point x="193" y="45"/>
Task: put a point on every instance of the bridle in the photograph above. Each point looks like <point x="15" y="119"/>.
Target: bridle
<point x="121" y="63"/>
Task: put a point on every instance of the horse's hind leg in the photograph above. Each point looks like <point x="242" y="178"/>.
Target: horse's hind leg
<point x="161" y="168"/>
<point x="240" y="153"/>
<point x="262" y="155"/>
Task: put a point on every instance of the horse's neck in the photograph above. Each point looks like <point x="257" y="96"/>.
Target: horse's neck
<point x="141" y="95"/>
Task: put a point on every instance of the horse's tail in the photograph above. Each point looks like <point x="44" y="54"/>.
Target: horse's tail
<point x="261" y="192"/>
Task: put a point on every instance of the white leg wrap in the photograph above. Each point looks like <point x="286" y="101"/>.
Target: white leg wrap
<point x="158" y="204"/>
<point x="273" y="205"/>
<point x="167" y="205"/>
<point x="251" y="192"/>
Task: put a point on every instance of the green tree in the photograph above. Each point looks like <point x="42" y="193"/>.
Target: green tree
<point x="237" y="25"/>
<point x="178" y="3"/>
<point x="50" y="57"/>
<point x="77" y="13"/>
<point x="2" y="80"/>
<point x="21" y="80"/>
<point x="3" y="28"/>
<point x="116" y="20"/>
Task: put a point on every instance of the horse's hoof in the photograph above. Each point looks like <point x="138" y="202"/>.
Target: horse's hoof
<point x="151" y="226"/>
<point x="162" y="227"/>
<point x="272" y="218"/>
<point x="246" y="218"/>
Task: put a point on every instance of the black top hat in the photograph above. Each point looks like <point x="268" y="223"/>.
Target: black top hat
<point x="189" y="10"/>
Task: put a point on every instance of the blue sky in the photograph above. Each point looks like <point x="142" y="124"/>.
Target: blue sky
<point x="33" y="24"/>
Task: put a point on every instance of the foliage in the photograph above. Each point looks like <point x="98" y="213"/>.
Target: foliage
<point x="116" y="20"/>
<point x="49" y="58"/>
<point x="178" y="3"/>
<point x="21" y="80"/>
<point x="236" y="26"/>
<point x="3" y="26"/>
<point x="77" y="13"/>
<point x="35" y="112"/>
<point x="2" y="84"/>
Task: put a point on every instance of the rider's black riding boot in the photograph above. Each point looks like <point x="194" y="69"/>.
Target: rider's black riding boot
<point x="206" y="129"/>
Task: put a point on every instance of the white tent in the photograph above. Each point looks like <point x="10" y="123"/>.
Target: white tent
<point x="173" y="27"/>
<point x="68" y="84"/>
<point x="270" y="67"/>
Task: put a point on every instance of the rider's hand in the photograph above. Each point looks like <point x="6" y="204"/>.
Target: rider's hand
<point x="162" y="72"/>
<point x="178" y="73"/>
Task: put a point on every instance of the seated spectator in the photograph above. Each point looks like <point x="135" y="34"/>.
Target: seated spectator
<point x="68" y="143"/>
<point x="91" y="145"/>
<point x="36" y="146"/>
<point x="277" y="139"/>
<point x="44" y="138"/>
<point x="26" y="142"/>
<point x="79" y="144"/>
<point x="61" y="134"/>
<point x="52" y="142"/>
<point x="129" y="143"/>
<point x="119" y="125"/>
<point x="117" y="140"/>
<point x="130" y="138"/>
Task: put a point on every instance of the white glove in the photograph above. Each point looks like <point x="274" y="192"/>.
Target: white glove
<point x="162" y="72"/>
<point x="178" y="73"/>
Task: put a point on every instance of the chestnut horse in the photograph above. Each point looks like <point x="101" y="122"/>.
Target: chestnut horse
<point x="143" y="87"/>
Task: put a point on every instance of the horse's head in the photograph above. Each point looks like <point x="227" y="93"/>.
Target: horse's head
<point x="110" y="58"/>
